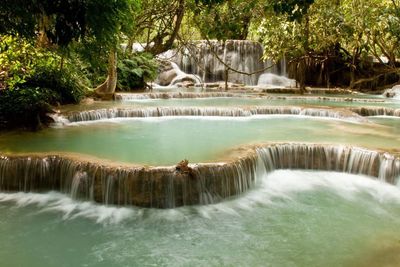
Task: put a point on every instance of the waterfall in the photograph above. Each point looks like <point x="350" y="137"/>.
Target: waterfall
<point x="376" y="111"/>
<point x="201" y="58"/>
<point x="165" y="187"/>
<point x="275" y="81"/>
<point x="101" y="114"/>
<point x="132" y="97"/>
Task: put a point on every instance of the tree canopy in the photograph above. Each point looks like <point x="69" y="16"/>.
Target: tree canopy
<point x="65" y="21"/>
<point x="345" y="42"/>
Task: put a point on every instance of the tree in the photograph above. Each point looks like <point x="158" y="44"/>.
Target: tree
<point x="339" y="37"/>
<point x="95" y="23"/>
<point x="230" y="18"/>
<point x="286" y="33"/>
<point x="158" y="25"/>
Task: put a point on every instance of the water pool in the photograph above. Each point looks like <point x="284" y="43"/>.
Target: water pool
<point x="168" y="140"/>
<point x="292" y="218"/>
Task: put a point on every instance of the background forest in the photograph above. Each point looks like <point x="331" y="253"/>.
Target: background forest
<point x="57" y="52"/>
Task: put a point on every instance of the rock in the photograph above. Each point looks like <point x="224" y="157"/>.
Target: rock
<point x="170" y="74"/>
<point x="87" y="101"/>
<point x="183" y="168"/>
<point x="185" y="84"/>
<point x="165" y="78"/>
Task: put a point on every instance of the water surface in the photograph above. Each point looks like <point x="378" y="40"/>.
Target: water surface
<point x="168" y="140"/>
<point x="292" y="218"/>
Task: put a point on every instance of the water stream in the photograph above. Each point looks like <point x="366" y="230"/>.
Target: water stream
<point x="273" y="181"/>
<point x="292" y="218"/>
<point x="168" y="140"/>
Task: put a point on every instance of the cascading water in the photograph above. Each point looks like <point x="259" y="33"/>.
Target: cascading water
<point x="102" y="114"/>
<point x="376" y="111"/>
<point x="210" y="59"/>
<point x="130" y="97"/>
<point x="274" y="80"/>
<point x="166" y="187"/>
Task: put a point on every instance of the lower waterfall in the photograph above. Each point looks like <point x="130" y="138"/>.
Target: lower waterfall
<point x="376" y="111"/>
<point x="166" y="187"/>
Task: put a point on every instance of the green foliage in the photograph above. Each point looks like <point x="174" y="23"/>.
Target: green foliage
<point x="31" y="79"/>
<point x="82" y="31"/>
<point x="230" y="19"/>
<point x="69" y="20"/>
<point x="134" y="70"/>
<point x="25" y="66"/>
<point x="294" y="9"/>
<point x="24" y="107"/>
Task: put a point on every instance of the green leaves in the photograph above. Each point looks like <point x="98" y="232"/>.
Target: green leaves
<point x="294" y="9"/>
<point x="134" y="70"/>
<point x="230" y="19"/>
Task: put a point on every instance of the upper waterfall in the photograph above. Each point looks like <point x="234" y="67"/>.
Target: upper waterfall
<point x="210" y="60"/>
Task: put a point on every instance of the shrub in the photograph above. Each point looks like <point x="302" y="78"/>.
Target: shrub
<point x="134" y="70"/>
<point x="32" y="79"/>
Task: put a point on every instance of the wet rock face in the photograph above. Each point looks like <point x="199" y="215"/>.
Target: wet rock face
<point x="165" y="78"/>
<point x="169" y="187"/>
<point x="171" y="74"/>
<point x="166" y="73"/>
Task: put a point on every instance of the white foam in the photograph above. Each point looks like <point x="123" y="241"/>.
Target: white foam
<point x="394" y="92"/>
<point x="276" y="81"/>
<point x="286" y="184"/>
<point x="71" y="209"/>
<point x="275" y="186"/>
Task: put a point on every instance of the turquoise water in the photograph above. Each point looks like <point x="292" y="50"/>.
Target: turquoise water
<point x="232" y="101"/>
<point x="237" y="101"/>
<point x="292" y="218"/>
<point x="168" y="140"/>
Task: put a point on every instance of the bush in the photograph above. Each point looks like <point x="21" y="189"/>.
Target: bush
<point x="134" y="70"/>
<point x="24" y="107"/>
<point x="32" y="79"/>
<point x="64" y="87"/>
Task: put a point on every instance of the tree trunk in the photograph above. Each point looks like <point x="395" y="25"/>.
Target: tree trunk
<point x="42" y="38"/>
<point x="161" y="45"/>
<point x="301" y="74"/>
<point x="129" y="46"/>
<point x="106" y="90"/>
<point x="226" y="76"/>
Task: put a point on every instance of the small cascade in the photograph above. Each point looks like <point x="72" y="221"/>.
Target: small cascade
<point x="331" y="158"/>
<point x="275" y="81"/>
<point x="206" y="59"/>
<point x="133" y="97"/>
<point x="159" y="187"/>
<point x="167" y="187"/>
<point x="376" y="111"/>
<point x="102" y="114"/>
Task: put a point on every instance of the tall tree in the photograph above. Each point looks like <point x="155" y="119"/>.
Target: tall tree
<point x="158" y="24"/>
<point x="59" y="23"/>
<point x="230" y="19"/>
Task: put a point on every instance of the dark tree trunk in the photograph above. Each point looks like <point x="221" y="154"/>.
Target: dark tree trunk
<point x="106" y="90"/>
<point x="160" y="45"/>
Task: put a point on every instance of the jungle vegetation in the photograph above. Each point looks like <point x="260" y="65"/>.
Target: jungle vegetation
<point x="55" y="52"/>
